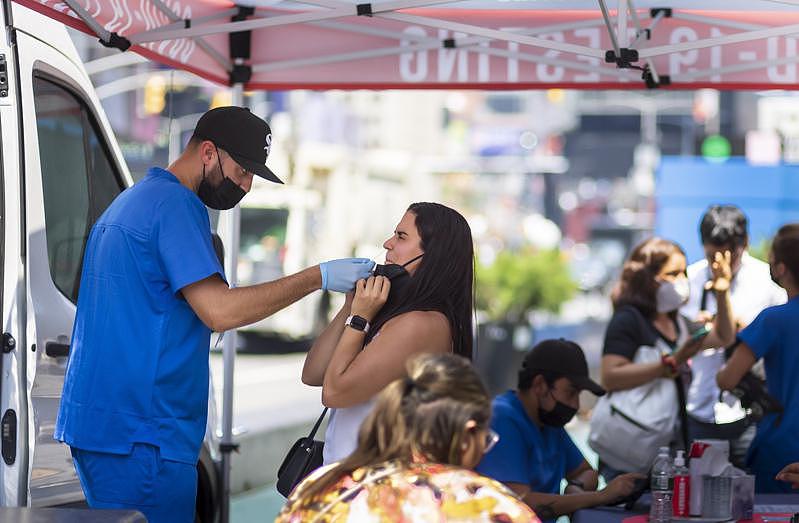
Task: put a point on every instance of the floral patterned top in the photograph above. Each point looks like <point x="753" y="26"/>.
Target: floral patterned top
<point x="415" y="493"/>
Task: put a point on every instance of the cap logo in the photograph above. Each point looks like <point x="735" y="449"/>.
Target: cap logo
<point x="268" y="146"/>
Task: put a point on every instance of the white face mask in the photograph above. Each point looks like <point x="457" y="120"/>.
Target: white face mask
<point x="672" y="295"/>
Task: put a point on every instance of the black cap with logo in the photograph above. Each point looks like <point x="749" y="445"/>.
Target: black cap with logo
<point x="244" y="136"/>
<point x="565" y="358"/>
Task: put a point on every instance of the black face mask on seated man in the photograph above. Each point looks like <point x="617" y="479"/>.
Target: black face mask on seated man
<point x="559" y="416"/>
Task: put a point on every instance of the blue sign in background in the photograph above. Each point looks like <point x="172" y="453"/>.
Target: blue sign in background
<point x="686" y="186"/>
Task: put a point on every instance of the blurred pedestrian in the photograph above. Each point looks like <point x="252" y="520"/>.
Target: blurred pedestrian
<point x="724" y="228"/>
<point x="135" y="398"/>
<point x="534" y="453"/>
<point x="647" y="344"/>
<point x="422" y="302"/>
<point x="772" y="335"/>
<point x="414" y="455"/>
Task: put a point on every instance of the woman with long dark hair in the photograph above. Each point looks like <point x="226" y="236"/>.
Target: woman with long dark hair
<point x="414" y="457"/>
<point x="420" y="301"/>
<point x="647" y="344"/>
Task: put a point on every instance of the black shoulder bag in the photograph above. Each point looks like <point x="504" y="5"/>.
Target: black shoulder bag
<point x="304" y="457"/>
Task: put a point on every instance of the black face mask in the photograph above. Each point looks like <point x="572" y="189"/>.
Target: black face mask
<point x="559" y="416"/>
<point x="223" y="197"/>
<point x="394" y="271"/>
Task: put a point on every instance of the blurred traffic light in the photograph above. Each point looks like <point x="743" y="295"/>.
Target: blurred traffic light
<point x="154" y="95"/>
<point x="221" y="98"/>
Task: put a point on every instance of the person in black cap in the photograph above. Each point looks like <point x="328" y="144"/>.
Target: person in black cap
<point x="134" y="404"/>
<point x="534" y="452"/>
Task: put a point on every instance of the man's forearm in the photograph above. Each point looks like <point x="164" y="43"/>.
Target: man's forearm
<point x="724" y="322"/>
<point x="631" y="375"/>
<point x="589" y="479"/>
<point x="245" y="305"/>
<point x="551" y="506"/>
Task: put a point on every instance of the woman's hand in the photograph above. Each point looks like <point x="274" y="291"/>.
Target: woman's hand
<point x="790" y="474"/>
<point x="721" y="268"/>
<point x="370" y="296"/>
<point x="348" y="300"/>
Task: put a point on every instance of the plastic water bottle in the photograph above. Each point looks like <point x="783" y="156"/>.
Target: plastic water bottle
<point x="662" y="484"/>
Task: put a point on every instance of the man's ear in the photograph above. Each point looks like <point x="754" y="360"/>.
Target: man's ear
<point x="539" y="385"/>
<point x="207" y="151"/>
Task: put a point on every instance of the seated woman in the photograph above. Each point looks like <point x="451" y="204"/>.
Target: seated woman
<point x="425" y="306"/>
<point x="773" y="337"/>
<point x="414" y="455"/>
<point x="647" y="342"/>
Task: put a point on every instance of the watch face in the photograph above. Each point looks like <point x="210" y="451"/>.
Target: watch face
<point x="358" y="322"/>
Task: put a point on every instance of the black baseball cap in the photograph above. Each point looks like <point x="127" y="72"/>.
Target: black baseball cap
<point x="245" y="137"/>
<point x="563" y="357"/>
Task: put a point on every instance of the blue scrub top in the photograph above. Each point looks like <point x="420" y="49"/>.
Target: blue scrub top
<point x="773" y="336"/>
<point x="138" y="365"/>
<point x="526" y="454"/>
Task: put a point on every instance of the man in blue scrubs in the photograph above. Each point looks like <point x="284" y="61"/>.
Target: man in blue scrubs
<point x="534" y="453"/>
<point x="773" y="336"/>
<point x="135" y="397"/>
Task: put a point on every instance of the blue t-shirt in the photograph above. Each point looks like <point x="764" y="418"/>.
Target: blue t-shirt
<point x="138" y="364"/>
<point x="773" y="336"/>
<point x="526" y="454"/>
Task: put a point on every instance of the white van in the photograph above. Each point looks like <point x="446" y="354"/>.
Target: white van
<point x="60" y="167"/>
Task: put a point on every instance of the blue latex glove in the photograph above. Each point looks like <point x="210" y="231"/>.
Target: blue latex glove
<point x="341" y="275"/>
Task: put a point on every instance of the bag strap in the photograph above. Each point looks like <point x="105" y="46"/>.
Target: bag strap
<point x="317" y="424"/>
<point x="681" y="400"/>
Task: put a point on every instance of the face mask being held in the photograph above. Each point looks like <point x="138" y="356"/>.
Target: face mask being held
<point x="400" y="279"/>
<point x="394" y="271"/>
<point x="671" y="295"/>
<point x="559" y="416"/>
<point x="223" y="197"/>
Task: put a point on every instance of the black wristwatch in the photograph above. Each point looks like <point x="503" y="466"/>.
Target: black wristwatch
<point x="358" y="323"/>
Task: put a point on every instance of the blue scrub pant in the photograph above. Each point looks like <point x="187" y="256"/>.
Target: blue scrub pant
<point x="163" y="490"/>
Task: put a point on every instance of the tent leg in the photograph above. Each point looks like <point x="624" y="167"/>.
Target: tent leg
<point x="228" y="446"/>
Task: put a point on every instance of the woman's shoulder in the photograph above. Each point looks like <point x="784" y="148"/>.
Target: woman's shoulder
<point x="422" y="322"/>
<point x="628" y="318"/>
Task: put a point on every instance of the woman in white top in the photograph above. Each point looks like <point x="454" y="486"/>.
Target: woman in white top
<point x="419" y="302"/>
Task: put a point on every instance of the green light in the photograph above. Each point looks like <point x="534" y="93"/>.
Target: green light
<point x="716" y="148"/>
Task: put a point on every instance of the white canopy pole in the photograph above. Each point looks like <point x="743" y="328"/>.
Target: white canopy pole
<point x="202" y="44"/>
<point x="641" y="36"/>
<point x="746" y="36"/>
<point x="227" y="445"/>
<point x="436" y="44"/>
<point x="260" y="23"/>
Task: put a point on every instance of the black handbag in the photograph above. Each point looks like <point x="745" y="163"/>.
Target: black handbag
<point x="304" y="457"/>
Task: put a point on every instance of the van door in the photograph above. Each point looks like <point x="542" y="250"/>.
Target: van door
<point x="71" y="178"/>
<point x="13" y="467"/>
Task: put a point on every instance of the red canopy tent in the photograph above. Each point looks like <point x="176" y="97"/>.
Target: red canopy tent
<point x="401" y="44"/>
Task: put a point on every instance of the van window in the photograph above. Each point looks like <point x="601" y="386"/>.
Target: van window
<point x="78" y="179"/>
